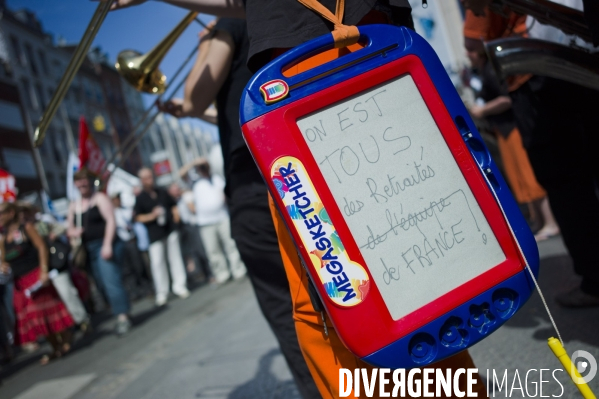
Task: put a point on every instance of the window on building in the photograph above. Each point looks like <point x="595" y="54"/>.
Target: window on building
<point x="178" y="155"/>
<point x="27" y="94"/>
<point x="40" y="95"/>
<point x="76" y="93"/>
<point x="104" y="145"/>
<point x="31" y="60"/>
<point x="44" y="62"/>
<point x="57" y="66"/>
<point x="44" y="149"/>
<point x="160" y="140"/>
<point x="19" y="162"/>
<point x="147" y="142"/>
<point x="99" y="96"/>
<point x="56" y="150"/>
<point x="66" y="143"/>
<point x="75" y="130"/>
<point x="16" y="48"/>
<point x="111" y="95"/>
<point x="10" y="116"/>
<point x="5" y="68"/>
<point x="88" y="91"/>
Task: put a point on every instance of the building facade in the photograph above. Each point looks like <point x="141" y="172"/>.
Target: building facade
<point x="170" y="144"/>
<point x="16" y="155"/>
<point x="33" y="65"/>
<point x="119" y="111"/>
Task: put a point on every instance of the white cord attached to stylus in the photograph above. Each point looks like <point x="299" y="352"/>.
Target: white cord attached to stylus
<point x="532" y="275"/>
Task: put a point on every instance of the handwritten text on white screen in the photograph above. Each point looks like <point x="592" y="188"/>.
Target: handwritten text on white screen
<point x="407" y="205"/>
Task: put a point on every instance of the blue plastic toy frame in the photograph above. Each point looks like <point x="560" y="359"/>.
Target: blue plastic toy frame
<point x="483" y="314"/>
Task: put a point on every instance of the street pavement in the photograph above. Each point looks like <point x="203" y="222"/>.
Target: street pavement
<point x="216" y="345"/>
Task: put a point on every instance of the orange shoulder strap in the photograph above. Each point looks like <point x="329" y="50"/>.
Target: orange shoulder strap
<point x="343" y="35"/>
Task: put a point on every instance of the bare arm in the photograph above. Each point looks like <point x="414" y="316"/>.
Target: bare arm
<point x="191" y="206"/>
<point x="206" y="77"/>
<point x="71" y="229"/>
<point x="176" y="216"/>
<point x="209" y="73"/>
<point x="146" y="217"/>
<point x="210" y="115"/>
<point x="221" y="8"/>
<point x="107" y="211"/>
<point x="494" y="107"/>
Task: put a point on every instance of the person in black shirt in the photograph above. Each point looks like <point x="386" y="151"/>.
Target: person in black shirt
<point x="91" y="220"/>
<point x="497" y="111"/>
<point x="223" y="53"/>
<point x="155" y="208"/>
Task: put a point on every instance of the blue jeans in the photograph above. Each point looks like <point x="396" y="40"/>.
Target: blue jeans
<point x="107" y="274"/>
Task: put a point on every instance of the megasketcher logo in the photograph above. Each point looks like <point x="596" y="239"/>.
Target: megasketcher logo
<point x="346" y="282"/>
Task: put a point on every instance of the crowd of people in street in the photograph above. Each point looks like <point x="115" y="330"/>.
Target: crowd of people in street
<point x="55" y="274"/>
<point x="218" y="228"/>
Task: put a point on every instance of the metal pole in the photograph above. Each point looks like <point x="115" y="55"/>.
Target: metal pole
<point x="78" y="56"/>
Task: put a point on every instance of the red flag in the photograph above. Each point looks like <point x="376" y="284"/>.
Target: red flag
<point x="90" y="155"/>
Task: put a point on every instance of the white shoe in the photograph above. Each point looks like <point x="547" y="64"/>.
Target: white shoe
<point x="240" y="275"/>
<point x="161" y="301"/>
<point x="223" y="278"/>
<point x="183" y="295"/>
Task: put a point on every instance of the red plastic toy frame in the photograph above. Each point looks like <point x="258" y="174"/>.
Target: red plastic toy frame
<point x="276" y="134"/>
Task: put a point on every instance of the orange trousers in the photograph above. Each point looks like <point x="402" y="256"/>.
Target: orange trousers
<point x="518" y="169"/>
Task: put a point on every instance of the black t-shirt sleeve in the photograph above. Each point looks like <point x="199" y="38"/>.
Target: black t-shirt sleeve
<point x="138" y="208"/>
<point x="233" y="27"/>
<point x="492" y="87"/>
<point x="164" y="199"/>
<point x="502" y="123"/>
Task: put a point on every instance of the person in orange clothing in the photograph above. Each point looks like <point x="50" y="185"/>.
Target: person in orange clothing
<point x="323" y="350"/>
